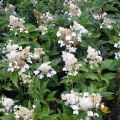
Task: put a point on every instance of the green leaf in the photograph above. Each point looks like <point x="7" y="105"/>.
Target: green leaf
<point x="50" y="96"/>
<point x="30" y="27"/>
<point x="55" y="61"/>
<point x="91" y="75"/>
<point x="43" y="88"/>
<point x="2" y="64"/>
<point x="108" y="76"/>
<point x="50" y="117"/>
<point x="99" y="4"/>
<point x="107" y="95"/>
<point x="107" y="63"/>
<point x="14" y="77"/>
<point x="84" y="68"/>
<point x="7" y="87"/>
<point x="7" y="117"/>
<point x="29" y="105"/>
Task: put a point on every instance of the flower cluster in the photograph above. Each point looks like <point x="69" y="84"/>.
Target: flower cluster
<point x="117" y="54"/>
<point x="23" y="112"/>
<point x="25" y="78"/>
<point x="43" y="21"/>
<point x="43" y="29"/>
<point x="38" y="52"/>
<point x="106" y="22"/>
<point x="19" y="58"/>
<point x="10" y="8"/>
<point x="7" y="103"/>
<point x="17" y="23"/>
<point x="93" y="57"/>
<point x="71" y="37"/>
<point x="71" y="63"/>
<point x="67" y="37"/>
<point x="117" y="45"/>
<point x="99" y="16"/>
<point x="18" y="110"/>
<point x="73" y="9"/>
<point x="71" y="32"/>
<point x="82" y="101"/>
<point x="45" y="69"/>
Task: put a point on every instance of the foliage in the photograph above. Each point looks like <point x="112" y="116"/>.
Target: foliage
<point x="91" y="65"/>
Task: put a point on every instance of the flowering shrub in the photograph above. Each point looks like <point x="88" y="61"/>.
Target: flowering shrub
<point x="59" y="59"/>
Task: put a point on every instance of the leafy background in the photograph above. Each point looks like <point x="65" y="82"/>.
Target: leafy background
<point x="45" y="93"/>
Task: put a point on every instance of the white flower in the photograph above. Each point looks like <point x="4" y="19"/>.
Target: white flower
<point x="10" y="8"/>
<point x="16" y="23"/>
<point x="93" y="57"/>
<point x="23" y="112"/>
<point x="70" y="98"/>
<point x="43" y="19"/>
<point x="24" y="68"/>
<point x="43" y="29"/>
<point x="76" y="112"/>
<point x="96" y="99"/>
<point x="96" y="16"/>
<point x="21" y="29"/>
<point x="51" y="73"/>
<point x="71" y="49"/>
<point x="11" y="55"/>
<point x="100" y="16"/>
<point x="65" y="34"/>
<point x="41" y="76"/>
<point x="7" y="103"/>
<point x="49" y="17"/>
<point x="11" y="69"/>
<point x="96" y="114"/>
<point x="102" y="106"/>
<point x="117" y="45"/>
<point x="34" y="106"/>
<point x="46" y="18"/>
<point x="58" y="34"/>
<point x="73" y="34"/>
<point x="90" y="113"/>
<point x="25" y="78"/>
<point x="71" y="37"/>
<point x="36" y="72"/>
<point x="20" y="59"/>
<point x="10" y="48"/>
<point x="86" y="102"/>
<point x="45" y="69"/>
<point x="82" y="101"/>
<point x="107" y="23"/>
<point x="37" y="53"/>
<point x="26" y="31"/>
<point x="71" y="63"/>
<point x="61" y="43"/>
<point x="74" y="10"/>
<point x="87" y="118"/>
<point x="80" y="31"/>
<point x="68" y="37"/>
<point x="13" y="20"/>
<point x="117" y="55"/>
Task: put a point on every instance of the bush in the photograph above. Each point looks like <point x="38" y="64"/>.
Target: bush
<point x="59" y="59"/>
